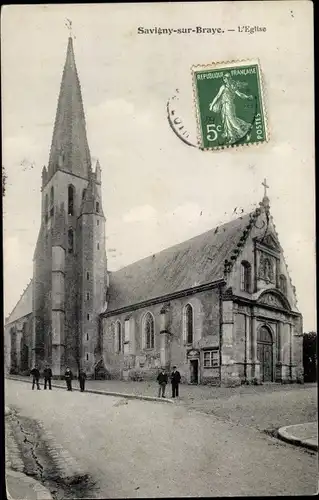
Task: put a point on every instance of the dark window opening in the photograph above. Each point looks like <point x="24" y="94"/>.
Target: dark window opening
<point x="97" y="207"/>
<point x="149" y="331"/>
<point x="98" y="222"/>
<point x="70" y="241"/>
<point x="88" y="316"/>
<point x="52" y="201"/>
<point x="83" y="194"/>
<point x="70" y="200"/>
<point x="87" y="275"/>
<point x="87" y="357"/>
<point x="87" y="296"/>
<point x="189" y="323"/>
<point x="98" y="246"/>
<point x="87" y="336"/>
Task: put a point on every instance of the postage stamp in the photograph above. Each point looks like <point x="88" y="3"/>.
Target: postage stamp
<point x="229" y="104"/>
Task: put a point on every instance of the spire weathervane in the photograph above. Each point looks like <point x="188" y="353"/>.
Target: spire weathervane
<point x="68" y="24"/>
<point x="265" y="187"/>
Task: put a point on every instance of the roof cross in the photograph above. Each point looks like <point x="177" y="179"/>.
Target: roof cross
<point x="265" y="187"/>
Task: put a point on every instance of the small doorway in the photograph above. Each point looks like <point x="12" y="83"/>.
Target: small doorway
<point x="265" y="353"/>
<point x="194" y="371"/>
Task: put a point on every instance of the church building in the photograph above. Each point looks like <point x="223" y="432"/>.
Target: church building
<point x="220" y="306"/>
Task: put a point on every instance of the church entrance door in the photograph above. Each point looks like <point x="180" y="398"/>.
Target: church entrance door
<point x="265" y="353"/>
<point x="194" y="371"/>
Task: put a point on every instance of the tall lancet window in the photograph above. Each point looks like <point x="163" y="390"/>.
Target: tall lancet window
<point x="148" y="331"/>
<point x="70" y="241"/>
<point x="71" y="193"/>
<point x="46" y="208"/>
<point x="83" y="194"/>
<point x="245" y="276"/>
<point x="97" y="207"/>
<point x="52" y="201"/>
<point x="188" y="324"/>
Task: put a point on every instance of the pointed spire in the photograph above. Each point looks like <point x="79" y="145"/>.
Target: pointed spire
<point x="69" y="148"/>
<point x="98" y="172"/>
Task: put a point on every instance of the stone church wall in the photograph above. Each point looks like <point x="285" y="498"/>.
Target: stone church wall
<point x="137" y="361"/>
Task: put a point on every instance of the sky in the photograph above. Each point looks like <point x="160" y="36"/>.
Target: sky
<point x="156" y="190"/>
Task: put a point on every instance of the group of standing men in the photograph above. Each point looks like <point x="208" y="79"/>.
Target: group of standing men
<point x="163" y="380"/>
<point x="47" y="375"/>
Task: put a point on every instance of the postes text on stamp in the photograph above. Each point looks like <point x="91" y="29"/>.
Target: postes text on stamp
<point x="229" y="104"/>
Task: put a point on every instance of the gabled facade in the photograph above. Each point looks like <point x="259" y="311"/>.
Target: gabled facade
<point x="220" y="306"/>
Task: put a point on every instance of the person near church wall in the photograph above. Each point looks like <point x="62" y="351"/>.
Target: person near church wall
<point x="162" y="380"/>
<point x="175" y="379"/>
<point x="47" y="373"/>
<point x="82" y="377"/>
<point x="36" y="376"/>
<point x="68" y="378"/>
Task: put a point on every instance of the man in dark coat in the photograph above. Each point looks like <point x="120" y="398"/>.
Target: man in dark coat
<point x="47" y="373"/>
<point x="36" y="376"/>
<point x="82" y="377"/>
<point x="68" y="378"/>
<point x="162" y="380"/>
<point x="175" y="379"/>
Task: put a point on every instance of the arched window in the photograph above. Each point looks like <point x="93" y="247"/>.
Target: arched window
<point x="83" y="194"/>
<point x="46" y="208"/>
<point x="70" y="241"/>
<point x="51" y="201"/>
<point x="118" y="336"/>
<point x="245" y="276"/>
<point x="97" y="207"/>
<point x="148" y="331"/>
<point x="71" y="192"/>
<point x="188" y="324"/>
<point x="283" y="283"/>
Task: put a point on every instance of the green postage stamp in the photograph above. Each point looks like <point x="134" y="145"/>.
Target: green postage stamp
<point x="229" y="104"/>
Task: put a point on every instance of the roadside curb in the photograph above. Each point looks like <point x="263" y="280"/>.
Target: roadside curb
<point x="42" y="493"/>
<point x="103" y="393"/>
<point x="284" y="433"/>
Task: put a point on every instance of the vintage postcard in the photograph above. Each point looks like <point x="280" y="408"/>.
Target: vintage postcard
<point x="159" y="250"/>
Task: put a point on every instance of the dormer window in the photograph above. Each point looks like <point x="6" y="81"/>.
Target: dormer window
<point x="245" y="276"/>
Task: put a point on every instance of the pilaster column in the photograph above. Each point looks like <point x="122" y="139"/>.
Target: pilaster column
<point x="254" y="359"/>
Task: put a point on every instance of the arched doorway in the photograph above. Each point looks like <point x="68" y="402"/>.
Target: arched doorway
<point x="265" y="353"/>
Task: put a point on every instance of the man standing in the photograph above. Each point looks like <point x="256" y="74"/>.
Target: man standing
<point x="47" y="373"/>
<point x="68" y="378"/>
<point x="175" y="378"/>
<point x="162" y="380"/>
<point x="36" y="375"/>
<point x="82" y="377"/>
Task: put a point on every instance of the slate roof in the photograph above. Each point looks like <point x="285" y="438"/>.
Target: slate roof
<point x="23" y="307"/>
<point x="192" y="263"/>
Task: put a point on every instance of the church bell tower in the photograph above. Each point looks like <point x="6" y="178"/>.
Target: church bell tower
<point x="69" y="277"/>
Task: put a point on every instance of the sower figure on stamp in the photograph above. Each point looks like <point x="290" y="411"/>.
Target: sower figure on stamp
<point x="47" y="373"/>
<point x="82" y="377"/>
<point x="68" y="378"/>
<point x="175" y="379"/>
<point x="162" y="380"/>
<point x="36" y="376"/>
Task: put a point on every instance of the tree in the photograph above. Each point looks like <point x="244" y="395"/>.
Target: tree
<point x="310" y="356"/>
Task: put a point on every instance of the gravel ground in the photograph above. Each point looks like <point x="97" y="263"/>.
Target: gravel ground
<point x="139" y="449"/>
